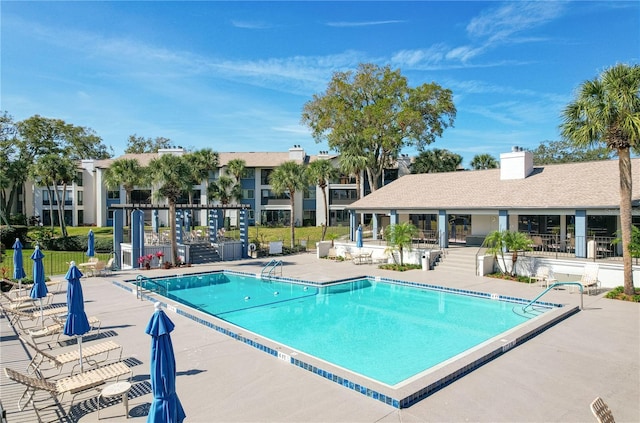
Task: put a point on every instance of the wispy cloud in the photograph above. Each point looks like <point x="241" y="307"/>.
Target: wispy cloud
<point x="501" y="25"/>
<point x="250" y="24"/>
<point x="363" y="23"/>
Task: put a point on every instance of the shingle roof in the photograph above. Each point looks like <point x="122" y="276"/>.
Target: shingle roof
<point x="572" y="185"/>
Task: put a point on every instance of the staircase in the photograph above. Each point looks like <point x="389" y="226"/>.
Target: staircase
<point x="202" y="252"/>
<point x="458" y="259"/>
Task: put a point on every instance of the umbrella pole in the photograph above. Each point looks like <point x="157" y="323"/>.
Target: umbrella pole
<point x="20" y="287"/>
<point x="41" y="313"/>
<point x="80" y="347"/>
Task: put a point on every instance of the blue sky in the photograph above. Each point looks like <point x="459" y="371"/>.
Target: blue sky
<point x="234" y="76"/>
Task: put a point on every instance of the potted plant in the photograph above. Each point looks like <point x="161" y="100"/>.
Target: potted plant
<point x="145" y="261"/>
<point x="159" y="255"/>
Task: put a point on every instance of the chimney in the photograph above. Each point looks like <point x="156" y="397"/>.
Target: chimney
<point x="516" y="165"/>
<point x="323" y="154"/>
<point x="297" y="153"/>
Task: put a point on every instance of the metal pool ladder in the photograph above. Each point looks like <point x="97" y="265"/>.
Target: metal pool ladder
<point x="155" y="286"/>
<point x="270" y="268"/>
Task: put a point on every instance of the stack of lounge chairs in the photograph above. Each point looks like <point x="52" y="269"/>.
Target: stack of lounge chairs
<point x="54" y="367"/>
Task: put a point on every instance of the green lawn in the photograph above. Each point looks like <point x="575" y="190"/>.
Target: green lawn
<point x="57" y="262"/>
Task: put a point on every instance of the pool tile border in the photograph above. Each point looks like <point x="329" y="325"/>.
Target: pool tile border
<point x="374" y="393"/>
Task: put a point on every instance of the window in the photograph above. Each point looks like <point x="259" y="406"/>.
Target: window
<point x="267" y="193"/>
<point x="275" y="217"/>
<point x="308" y="218"/>
<point x="141" y="196"/>
<point x="45" y="198"/>
<point x="80" y="217"/>
<point x="80" y="197"/>
<point x="339" y="217"/>
<point x="113" y="195"/>
<point x="249" y="173"/>
<point x="79" y="179"/>
<point x="342" y="196"/>
<point x="248" y="194"/>
<point x="310" y="193"/>
<point x="264" y="176"/>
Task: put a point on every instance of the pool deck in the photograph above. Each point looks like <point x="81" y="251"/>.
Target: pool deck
<point x="552" y="377"/>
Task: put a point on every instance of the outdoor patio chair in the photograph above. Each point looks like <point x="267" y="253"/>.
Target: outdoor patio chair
<point x="105" y="269"/>
<point x="542" y="276"/>
<point x="601" y="411"/>
<point x="589" y="278"/>
<point x="363" y="258"/>
<point x="537" y="243"/>
<point x="77" y="384"/>
<point x="57" y="361"/>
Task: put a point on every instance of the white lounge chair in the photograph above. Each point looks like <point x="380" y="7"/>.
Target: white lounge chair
<point x="75" y="385"/>
<point x="601" y="411"/>
<point x="57" y="361"/>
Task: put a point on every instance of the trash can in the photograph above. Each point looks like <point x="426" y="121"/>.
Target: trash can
<point x="425" y="261"/>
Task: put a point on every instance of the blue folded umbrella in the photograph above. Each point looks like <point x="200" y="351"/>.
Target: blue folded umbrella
<point x="166" y="406"/>
<point x="77" y="322"/>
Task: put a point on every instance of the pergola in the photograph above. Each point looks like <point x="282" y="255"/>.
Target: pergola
<point x="125" y="256"/>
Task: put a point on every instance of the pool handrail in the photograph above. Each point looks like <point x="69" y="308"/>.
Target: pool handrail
<point x="141" y="278"/>
<point x="550" y="287"/>
<point x="272" y="265"/>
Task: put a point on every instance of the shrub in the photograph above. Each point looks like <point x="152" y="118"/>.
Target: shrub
<point x="70" y="243"/>
<point x="400" y="267"/>
<point x="618" y="294"/>
<point x="8" y="235"/>
<point x="103" y="245"/>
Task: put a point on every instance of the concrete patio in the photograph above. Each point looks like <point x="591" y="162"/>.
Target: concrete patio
<point x="552" y="377"/>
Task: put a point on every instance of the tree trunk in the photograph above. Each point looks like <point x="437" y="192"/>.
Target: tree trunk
<point x="291" y="221"/>
<point x="172" y="232"/>
<point x="326" y="212"/>
<point x="624" y="165"/>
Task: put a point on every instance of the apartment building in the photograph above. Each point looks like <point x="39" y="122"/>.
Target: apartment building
<point x="88" y="201"/>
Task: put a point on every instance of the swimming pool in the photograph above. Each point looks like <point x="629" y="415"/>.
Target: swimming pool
<point x="386" y="331"/>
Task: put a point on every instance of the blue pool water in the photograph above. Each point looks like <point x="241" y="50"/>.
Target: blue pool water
<point x="385" y="331"/>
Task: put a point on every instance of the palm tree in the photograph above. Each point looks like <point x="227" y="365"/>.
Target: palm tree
<point x="607" y="110"/>
<point x="173" y="175"/>
<point x="125" y="172"/>
<point x="43" y="172"/>
<point x="353" y="163"/>
<point x="66" y="173"/>
<point x="494" y="242"/>
<point x="289" y="177"/>
<point x="203" y="162"/>
<point x="484" y="161"/>
<point x="436" y="160"/>
<point x="499" y="241"/>
<point x="320" y="173"/>
<point x="516" y="241"/>
<point x="235" y="168"/>
<point x="400" y="236"/>
<point x="225" y="190"/>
